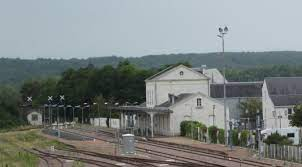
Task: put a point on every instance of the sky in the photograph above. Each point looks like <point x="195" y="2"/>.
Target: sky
<point x="133" y="28"/>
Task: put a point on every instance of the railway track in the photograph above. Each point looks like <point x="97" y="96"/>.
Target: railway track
<point x="140" y="161"/>
<point x="220" y="155"/>
<point x="48" y="159"/>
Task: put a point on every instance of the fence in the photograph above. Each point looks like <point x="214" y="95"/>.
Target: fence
<point x="115" y="123"/>
<point x="282" y="152"/>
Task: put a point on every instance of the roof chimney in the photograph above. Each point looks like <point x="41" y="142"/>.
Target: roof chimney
<point x="203" y="68"/>
<point x="171" y="98"/>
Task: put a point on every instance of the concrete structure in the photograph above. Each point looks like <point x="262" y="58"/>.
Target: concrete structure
<point x="181" y="93"/>
<point x="280" y="95"/>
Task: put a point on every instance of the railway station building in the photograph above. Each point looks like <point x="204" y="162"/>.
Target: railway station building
<point x="181" y="93"/>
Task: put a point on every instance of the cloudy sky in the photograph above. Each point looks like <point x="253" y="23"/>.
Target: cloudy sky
<point x="95" y="28"/>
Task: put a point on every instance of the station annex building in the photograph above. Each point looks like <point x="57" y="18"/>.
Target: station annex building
<point x="181" y="93"/>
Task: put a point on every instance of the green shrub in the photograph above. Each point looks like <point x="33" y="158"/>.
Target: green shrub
<point x="213" y="134"/>
<point x="186" y="128"/>
<point x="276" y="138"/>
<point x="244" y="137"/>
<point x="235" y="138"/>
<point x="221" y="136"/>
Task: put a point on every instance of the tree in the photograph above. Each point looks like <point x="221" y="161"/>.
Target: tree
<point x="10" y="113"/>
<point x="249" y="109"/>
<point x="296" y="117"/>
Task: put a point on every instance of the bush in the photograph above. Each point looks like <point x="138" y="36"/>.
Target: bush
<point x="183" y="128"/>
<point x="186" y="128"/>
<point x="244" y="137"/>
<point x="276" y="138"/>
<point x="235" y="138"/>
<point x="221" y="136"/>
<point x="213" y="134"/>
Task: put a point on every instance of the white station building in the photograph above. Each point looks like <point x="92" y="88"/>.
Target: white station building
<point x="181" y="93"/>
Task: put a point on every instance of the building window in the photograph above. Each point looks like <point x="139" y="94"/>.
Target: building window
<point x="199" y="104"/>
<point x="291" y="135"/>
<point x="181" y="73"/>
<point x="289" y="111"/>
<point x="34" y="117"/>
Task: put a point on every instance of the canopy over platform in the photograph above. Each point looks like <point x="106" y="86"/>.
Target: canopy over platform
<point x="141" y="109"/>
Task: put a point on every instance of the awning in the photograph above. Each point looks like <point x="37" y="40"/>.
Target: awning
<point x="141" y="109"/>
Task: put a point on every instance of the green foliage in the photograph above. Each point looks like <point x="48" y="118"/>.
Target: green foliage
<point x="186" y="128"/>
<point x="235" y="137"/>
<point x="13" y="143"/>
<point x="213" y="134"/>
<point x="10" y="114"/>
<point x="276" y="138"/>
<point x="296" y="117"/>
<point x="244" y="137"/>
<point x="252" y="106"/>
<point x="221" y="136"/>
<point x="242" y="66"/>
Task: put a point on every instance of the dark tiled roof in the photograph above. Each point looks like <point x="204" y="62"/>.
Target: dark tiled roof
<point x="284" y="85"/>
<point x="286" y="100"/>
<point x="285" y="91"/>
<point x="177" y="99"/>
<point x="237" y="89"/>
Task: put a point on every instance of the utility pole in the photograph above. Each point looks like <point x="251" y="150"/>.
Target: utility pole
<point x="49" y="112"/>
<point x="259" y="133"/>
<point x="222" y="32"/>
<point x="213" y="115"/>
<point x="230" y="135"/>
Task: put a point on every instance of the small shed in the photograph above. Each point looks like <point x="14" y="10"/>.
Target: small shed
<point x="34" y="117"/>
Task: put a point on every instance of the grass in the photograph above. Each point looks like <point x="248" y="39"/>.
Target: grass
<point x="11" y="144"/>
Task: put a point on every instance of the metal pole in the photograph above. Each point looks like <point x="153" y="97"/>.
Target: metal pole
<point x="230" y="135"/>
<point x="259" y="133"/>
<point x="224" y="92"/>
<point x="192" y="124"/>
<point x="58" y="119"/>
<point x="64" y="114"/>
<point x="82" y="116"/>
<point x="110" y="119"/>
<point x="72" y="114"/>
<point x="213" y="115"/>
<point x="49" y="114"/>
<point x="99" y="114"/>
<point x="44" y="117"/>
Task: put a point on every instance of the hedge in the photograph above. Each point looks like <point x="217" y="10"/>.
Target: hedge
<point x="221" y="136"/>
<point x="244" y="137"/>
<point x="235" y="137"/>
<point x="213" y="134"/>
<point x="185" y="128"/>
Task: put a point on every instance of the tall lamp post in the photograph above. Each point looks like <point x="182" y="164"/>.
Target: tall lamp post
<point x="116" y="104"/>
<point x="79" y="107"/>
<point x="98" y="113"/>
<point x="49" y="110"/>
<point x="70" y="106"/>
<point x="222" y="33"/>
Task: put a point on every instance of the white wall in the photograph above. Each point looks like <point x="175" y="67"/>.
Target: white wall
<point x="271" y="120"/>
<point x="267" y="109"/>
<point x="115" y="123"/>
<point x="157" y="89"/>
<point x="182" y="112"/>
<point x="37" y="122"/>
